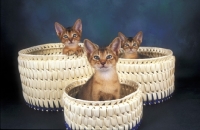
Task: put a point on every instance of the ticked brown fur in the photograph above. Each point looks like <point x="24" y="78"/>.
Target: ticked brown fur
<point x="130" y="45"/>
<point x="104" y="84"/>
<point x="70" y="37"/>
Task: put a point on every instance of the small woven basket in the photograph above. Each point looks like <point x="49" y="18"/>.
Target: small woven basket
<point x="45" y="71"/>
<point x="155" y="74"/>
<point x="123" y="113"/>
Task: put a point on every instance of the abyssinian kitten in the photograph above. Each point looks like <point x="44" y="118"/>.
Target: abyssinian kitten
<point x="70" y="37"/>
<point x="104" y="83"/>
<point x="130" y="46"/>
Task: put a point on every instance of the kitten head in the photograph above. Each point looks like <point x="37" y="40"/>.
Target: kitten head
<point x="102" y="59"/>
<point x="70" y="36"/>
<point x="131" y="44"/>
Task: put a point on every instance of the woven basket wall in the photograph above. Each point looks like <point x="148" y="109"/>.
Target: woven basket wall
<point x="45" y="71"/>
<point x="123" y="113"/>
<point x="155" y="75"/>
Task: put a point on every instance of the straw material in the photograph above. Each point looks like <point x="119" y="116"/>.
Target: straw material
<point x="123" y="113"/>
<point x="45" y="71"/>
<point x="155" y="75"/>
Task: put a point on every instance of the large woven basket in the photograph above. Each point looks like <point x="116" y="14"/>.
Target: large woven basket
<point x="155" y="74"/>
<point x="123" y="113"/>
<point x="45" y="71"/>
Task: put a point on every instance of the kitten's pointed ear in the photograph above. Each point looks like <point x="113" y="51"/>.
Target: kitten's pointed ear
<point x="78" y="25"/>
<point x="121" y="36"/>
<point x="139" y="36"/>
<point x="115" y="45"/>
<point x="89" y="46"/>
<point x="59" y="28"/>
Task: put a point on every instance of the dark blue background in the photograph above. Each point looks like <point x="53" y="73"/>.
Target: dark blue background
<point x="171" y="24"/>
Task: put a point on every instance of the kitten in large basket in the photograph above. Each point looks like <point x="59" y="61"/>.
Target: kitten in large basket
<point x="104" y="84"/>
<point x="130" y="46"/>
<point x="70" y="37"/>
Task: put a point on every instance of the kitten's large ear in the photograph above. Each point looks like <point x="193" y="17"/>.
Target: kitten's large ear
<point x="139" y="36"/>
<point x="59" y="28"/>
<point x="122" y="37"/>
<point x="115" y="45"/>
<point x="78" y="25"/>
<point x="89" y="46"/>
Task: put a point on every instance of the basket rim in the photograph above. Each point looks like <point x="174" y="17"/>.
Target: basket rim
<point x="168" y="54"/>
<point x="40" y="45"/>
<point x="26" y="52"/>
<point x="101" y="103"/>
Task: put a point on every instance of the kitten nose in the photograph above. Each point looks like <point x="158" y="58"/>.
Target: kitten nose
<point x="103" y="63"/>
<point x="70" y="40"/>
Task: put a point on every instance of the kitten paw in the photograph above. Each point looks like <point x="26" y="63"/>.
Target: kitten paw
<point x="79" y="52"/>
<point x="71" y="52"/>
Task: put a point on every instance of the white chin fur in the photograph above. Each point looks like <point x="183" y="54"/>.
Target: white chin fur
<point x="70" y="44"/>
<point x="132" y="51"/>
<point x="106" y="73"/>
<point x="103" y="69"/>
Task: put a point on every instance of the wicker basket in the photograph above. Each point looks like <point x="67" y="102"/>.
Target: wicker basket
<point x="123" y="113"/>
<point x="45" y="71"/>
<point x="155" y="75"/>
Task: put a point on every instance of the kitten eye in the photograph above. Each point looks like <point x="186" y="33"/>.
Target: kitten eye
<point x="126" y="44"/>
<point x="96" y="57"/>
<point x="109" y="57"/>
<point x="74" y="35"/>
<point x="65" y="36"/>
<point x="134" y="44"/>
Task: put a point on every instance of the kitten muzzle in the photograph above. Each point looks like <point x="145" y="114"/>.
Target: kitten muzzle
<point x="131" y="51"/>
<point x="104" y="69"/>
<point x="70" y="44"/>
<point x="103" y="63"/>
<point x="103" y="66"/>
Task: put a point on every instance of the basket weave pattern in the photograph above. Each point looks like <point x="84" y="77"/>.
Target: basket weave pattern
<point x="44" y="72"/>
<point x="123" y="113"/>
<point x="155" y="75"/>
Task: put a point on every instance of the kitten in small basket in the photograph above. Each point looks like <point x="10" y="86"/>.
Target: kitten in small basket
<point x="70" y="37"/>
<point x="130" y="46"/>
<point x="104" y="84"/>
